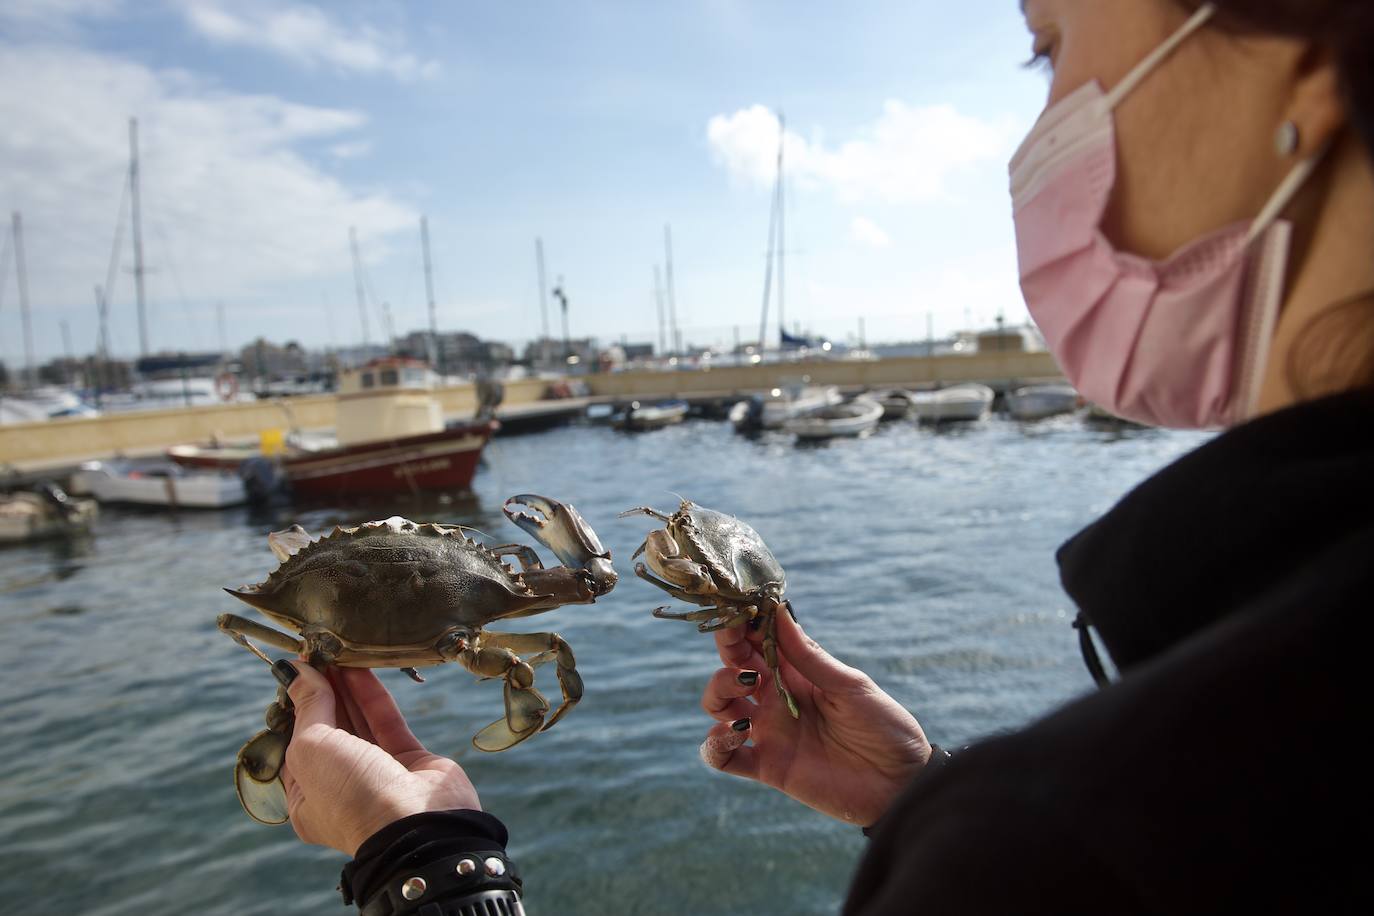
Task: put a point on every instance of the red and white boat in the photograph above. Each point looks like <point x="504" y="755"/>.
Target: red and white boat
<point x="390" y="438"/>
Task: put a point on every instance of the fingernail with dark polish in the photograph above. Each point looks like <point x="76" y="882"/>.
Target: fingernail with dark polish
<point x="748" y="678"/>
<point x="792" y="611"/>
<point x="285" y="672"/>
<point x="755" y="623"/>
<point x="741" y="725"/>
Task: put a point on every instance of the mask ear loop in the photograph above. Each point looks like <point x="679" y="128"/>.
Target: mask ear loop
<point x="1283" y="194"/>
<point x="1155" y="57"/>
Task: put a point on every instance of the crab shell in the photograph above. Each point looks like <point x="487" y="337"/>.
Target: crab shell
<point x="739" y="562"/>
<point x="388" y="590"/>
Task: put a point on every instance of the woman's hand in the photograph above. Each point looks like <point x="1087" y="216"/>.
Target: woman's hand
<point x="853" y="749"/>
<point x="353" y="765"/>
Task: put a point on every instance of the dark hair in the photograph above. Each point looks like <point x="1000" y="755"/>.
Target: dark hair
<point x="1344" y="334"/>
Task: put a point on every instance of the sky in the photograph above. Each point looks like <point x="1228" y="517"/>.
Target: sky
<point x="268" y="129"/>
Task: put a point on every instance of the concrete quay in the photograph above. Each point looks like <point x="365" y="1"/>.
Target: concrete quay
<point x="46" y="446"/>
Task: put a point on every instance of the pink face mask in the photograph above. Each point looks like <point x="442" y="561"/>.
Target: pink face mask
<point x="1181" y="342"/>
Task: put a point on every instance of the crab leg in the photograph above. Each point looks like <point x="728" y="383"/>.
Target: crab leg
<point x="549" y="646"/>
<point x="645" y="510"/>
<point x="240" y="628"/>
<point x="525" y="706"/>
<point x="769" y="612"/>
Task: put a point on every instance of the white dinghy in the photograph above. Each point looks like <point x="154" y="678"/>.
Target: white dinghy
<point x="164" y="484"/>
<point x="957" y="403"/>
<point x="852" y="418"/>
<point x="1036" y="402"/>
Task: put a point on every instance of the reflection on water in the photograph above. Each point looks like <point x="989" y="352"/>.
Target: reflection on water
<point x="922" y="555"/>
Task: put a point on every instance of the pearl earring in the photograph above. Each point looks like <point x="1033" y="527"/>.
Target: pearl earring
<point x="1286" y="140"/>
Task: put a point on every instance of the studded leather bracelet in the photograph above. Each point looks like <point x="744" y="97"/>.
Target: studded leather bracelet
<point x="479" y="883"/>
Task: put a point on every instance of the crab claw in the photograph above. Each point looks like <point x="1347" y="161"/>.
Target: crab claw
<point x="562" y="529"/>
<point x="257" y="777"/>
<point x="525" y="712"/>
<point x="287" y="542"/>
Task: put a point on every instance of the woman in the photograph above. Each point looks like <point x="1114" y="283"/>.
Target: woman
<point x="1195" y="224"/>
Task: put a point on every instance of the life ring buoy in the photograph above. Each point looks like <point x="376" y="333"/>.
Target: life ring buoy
<point x="227" y="386"/>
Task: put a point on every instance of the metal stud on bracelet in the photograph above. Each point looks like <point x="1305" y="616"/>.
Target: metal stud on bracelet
<point x="413" y="888"/>
<point x="466" y="867"/>
<point x="494" y="866"/>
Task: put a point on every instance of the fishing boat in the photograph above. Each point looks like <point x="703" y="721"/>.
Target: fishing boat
<point x="160" y="484"/>
<point x="897" y="403"/>
<point x="637" y="417"/>
<point x="48" y="513"/>
<point x="773" y="409"/>
<point x="1036" y="402"/>
<point x="390" y="437"/>
<point x="957" y="403"/>
<point x="852" y="418"/>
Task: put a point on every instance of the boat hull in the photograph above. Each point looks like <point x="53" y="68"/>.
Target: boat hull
<point x="1041" y="402"/>
<point x="956" y="404"/>
<point x="442" y="461"/>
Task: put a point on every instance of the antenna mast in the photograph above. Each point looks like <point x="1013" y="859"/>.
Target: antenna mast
<point x="435" y="355"/>
<point x="138" y="239"/>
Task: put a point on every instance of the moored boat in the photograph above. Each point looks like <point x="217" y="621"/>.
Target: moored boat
<point x="773" y="409"/>
<point x="957" y="403"/>
<point x="390" y="437"/>
<point x="1037" y="402"/>
<point x="160" y="484"/>
<point x="49" y="513"/>
<point x="637" y="417"/>
<point x="896" y="403"/>
<point x="852" y="418"/>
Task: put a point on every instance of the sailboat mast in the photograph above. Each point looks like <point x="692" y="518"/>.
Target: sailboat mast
<point x="21" y="274"/>
<point x="358" y="281"/>
<point x="436" y="357"/>
<point x="672" y="299"/>
<point x="543" y="297"/>
<point x="138" y="238"/>
<point x="658" y="300"/>
<point x="782" y="226"/>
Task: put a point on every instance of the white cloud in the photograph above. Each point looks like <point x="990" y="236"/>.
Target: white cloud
<point x="906" y="155"/>
<point x="866" y="232"/>
<point x="234" y="208"/>
<point x="303" y="35"/>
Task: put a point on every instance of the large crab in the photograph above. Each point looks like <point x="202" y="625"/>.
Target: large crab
<point x="395" y="594"/>
<point x="717" y="562"/>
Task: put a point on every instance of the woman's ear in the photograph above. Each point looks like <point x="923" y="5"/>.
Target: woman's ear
<point x="1317" y="107"/>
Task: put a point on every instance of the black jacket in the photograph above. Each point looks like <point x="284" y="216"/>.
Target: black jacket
<point x="1225" y="771"/>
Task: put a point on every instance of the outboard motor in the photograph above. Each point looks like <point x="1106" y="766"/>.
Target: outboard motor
<point x="262" y="479"/>
<point x="58" y="498"/>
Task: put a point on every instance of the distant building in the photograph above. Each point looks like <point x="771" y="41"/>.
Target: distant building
<point x="554" y="354"/>
<point x="456" y="353"/>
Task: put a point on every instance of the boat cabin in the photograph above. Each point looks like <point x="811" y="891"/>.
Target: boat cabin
<point x="388" y="398"/>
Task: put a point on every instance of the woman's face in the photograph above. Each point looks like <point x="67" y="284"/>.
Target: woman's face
<point x="1195" y="140"/>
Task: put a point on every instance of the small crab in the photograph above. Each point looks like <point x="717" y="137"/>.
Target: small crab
<point x="395" y="594"/>
<point x="718" y="562"/>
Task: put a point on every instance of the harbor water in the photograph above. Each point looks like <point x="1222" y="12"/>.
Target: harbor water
<point x="924" y="557"/>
